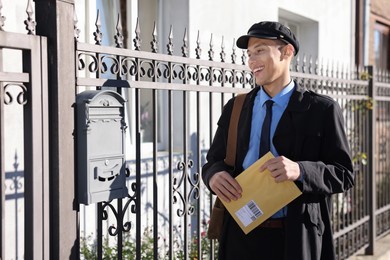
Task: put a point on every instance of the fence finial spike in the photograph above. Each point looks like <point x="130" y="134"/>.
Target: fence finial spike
<point x="154" y="42"/>
<point x="317" y="67"/>
<point x="310" y="64"/>
<point x="198" y="50"/>
<point x="137" y="39"/>
<point x="360" y="70"/>
<point x="234" y="56"/>
<point x="343" y="66"/>
<point x="327" y="68"/>
<point x="119" y="33"/>
<point x="380" y="74"/>
<point x="98" y="33"/>
<point x="223" y="54"/>
<point x="30" y="23"/>
<point x="304" y="63"/>
<point x="211" y="51"/>
<point x="338" y="72"/>
<point x="297" y="61"/>
<point x="184" y="48"/>
<point x="333" y="68"/>
<point x="170" y="43"/>
<point x="2" y="18"/>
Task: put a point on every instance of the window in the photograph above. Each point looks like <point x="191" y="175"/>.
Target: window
<point x="305" y="29"/>
<point x="381" y="46"/>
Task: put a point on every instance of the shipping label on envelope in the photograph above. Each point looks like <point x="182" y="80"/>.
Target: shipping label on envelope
<point x="261" y="196"/>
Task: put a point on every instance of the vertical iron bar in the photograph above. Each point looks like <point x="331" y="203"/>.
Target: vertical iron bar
<point x="211" y="133"/>
<point x="137" y="76"/>
<point x="381" y="172"/>
<point x="381" y="175"/>
<point x="186" y="166"/>
<point x="99" y="231"/>
<point x="120" y="227"/>
<point x="365" y="192"/>
<point x="155" y="176"/>
<point x="185" y="159"/>
<point x="386" y="170"/>
<point x="211" y="120"/>
<point x="386" y="118"/>
<point x="119" y="44"/>
<point x="138" y="169"/>
<point x="170" y="163"/>
<point x="382" y="119"/>
<point x="372" y="168"/>
<point x="199" y="165"/>
<point x="198" y="169"/>
<point x="170" y="159"/>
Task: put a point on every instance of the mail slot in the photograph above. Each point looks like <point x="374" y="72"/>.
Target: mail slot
<point x="101" y="166"/>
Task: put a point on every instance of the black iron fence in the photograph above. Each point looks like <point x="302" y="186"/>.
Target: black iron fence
<point x="170" y="206"/>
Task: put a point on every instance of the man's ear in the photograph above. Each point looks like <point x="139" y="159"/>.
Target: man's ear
<point x="288" y="50"/>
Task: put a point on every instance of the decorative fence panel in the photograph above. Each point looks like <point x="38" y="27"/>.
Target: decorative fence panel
<point x="168" y="208"/>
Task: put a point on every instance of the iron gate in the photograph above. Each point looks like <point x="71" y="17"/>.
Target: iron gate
<point x="25" y="87"/>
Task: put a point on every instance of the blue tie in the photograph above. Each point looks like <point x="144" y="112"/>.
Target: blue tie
<point x="265" y="139"/>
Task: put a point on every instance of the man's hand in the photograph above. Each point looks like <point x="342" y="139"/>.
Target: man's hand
<point x="282" y="169"/>
<point x="225" y="186"/>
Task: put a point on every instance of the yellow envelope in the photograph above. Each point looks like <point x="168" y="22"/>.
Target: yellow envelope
<point x="261" y="196"/>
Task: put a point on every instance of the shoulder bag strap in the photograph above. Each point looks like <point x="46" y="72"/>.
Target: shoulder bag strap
<point x="230" y="158"/>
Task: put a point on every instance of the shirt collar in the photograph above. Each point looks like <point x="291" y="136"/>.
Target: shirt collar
<point x="281" y="98"/>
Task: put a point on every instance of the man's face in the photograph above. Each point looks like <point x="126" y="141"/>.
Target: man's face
<point x="267" y="61"/>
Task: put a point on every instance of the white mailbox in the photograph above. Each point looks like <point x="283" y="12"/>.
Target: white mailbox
<point x="101" y="165"/>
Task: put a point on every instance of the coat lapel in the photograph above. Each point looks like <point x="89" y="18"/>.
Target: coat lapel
<point x="287" y="137"/>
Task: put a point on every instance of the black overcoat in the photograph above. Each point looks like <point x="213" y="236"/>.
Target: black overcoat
<point x="310" y="132"/>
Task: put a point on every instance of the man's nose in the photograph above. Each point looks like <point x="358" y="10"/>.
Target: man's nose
<point x="251" y="60"/>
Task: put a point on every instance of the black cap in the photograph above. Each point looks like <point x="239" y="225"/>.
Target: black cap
<point x="269" y="30"/>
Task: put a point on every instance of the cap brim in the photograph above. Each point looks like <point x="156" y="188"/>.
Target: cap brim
<point x="242" y="41"/>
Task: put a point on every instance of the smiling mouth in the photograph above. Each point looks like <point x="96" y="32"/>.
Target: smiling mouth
<point x="258" y="69"/>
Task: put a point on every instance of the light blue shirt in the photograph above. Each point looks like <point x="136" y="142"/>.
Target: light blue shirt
<point x="259" y="110"/>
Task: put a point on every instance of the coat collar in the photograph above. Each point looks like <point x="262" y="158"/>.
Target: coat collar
<point x="293" y="116"/>
<point x="299" y="101"/>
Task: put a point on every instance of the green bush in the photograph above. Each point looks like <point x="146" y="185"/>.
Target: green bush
<point x="88" y="248"/>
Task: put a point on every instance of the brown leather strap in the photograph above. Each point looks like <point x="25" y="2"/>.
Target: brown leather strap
<point x="230" y="158"/>
<point x="217" y="214"/>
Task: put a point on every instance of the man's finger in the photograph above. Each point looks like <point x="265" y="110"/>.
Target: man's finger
<point x="266" y="165"/>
